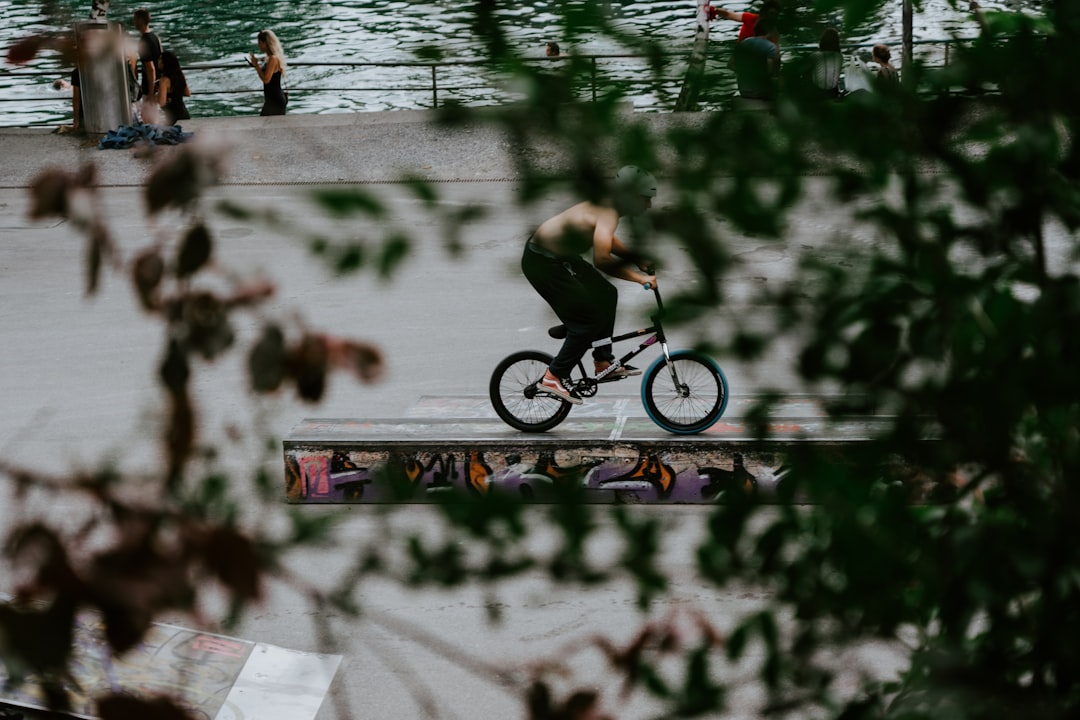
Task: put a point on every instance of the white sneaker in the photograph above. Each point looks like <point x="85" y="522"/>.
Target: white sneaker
<point x="621" y="372"/>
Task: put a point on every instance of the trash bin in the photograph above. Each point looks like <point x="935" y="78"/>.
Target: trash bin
<point x="102" y="75"/>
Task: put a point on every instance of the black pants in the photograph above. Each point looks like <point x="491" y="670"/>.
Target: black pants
<point x="584" y="301"/>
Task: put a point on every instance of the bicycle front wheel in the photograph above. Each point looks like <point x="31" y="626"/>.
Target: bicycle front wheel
<point x="514" y="397"/>
<point x="686" y="394"/>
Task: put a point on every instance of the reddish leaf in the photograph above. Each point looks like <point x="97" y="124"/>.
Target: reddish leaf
<point x="180" y="434"/>
<point x="100" y="247"/>
<point x="25" y="50"/>
<point x="175" y="370"/>
<point x="361" y="359"/>
<point x="179" y="180"/>
<point x="146" y="274"/>
<point x="49" y="192"/>
<point x="310" y="361"/>
<point x="87" y="175"/>
<point x="194" y="251"/>
<point x="233" y="559"/>
<point x="582" y="705"/>
<point x="208" y="328"/>
<point x="173" y="182"/>
<point x="125" y="707"/>
<point x="538" y="700"/>
<point x="268" y="362"/>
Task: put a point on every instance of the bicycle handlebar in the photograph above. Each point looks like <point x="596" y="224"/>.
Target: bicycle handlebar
<point x="656" y="292"/>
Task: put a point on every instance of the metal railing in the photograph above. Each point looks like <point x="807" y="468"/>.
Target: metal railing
<point x="430" y="84"/>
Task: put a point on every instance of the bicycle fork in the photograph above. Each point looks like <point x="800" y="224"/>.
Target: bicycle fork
<point x="681" y="389"/>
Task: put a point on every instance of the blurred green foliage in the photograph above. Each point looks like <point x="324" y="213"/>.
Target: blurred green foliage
<point x="952" y="532"/>
<point x="954" y="527"/>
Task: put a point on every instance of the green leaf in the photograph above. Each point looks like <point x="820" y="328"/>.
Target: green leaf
<point x="394" y="251"/>
<point x="346" y="202"/>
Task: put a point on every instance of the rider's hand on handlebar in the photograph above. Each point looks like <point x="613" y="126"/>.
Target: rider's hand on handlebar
<point x="649" y="282"/>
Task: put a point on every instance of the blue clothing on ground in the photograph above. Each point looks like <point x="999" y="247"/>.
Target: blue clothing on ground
<point x="127" y="135"/>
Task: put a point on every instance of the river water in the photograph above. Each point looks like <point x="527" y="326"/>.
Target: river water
<point x="208" y="32"/>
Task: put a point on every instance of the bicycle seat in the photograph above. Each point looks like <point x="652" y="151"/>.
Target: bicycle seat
<point x="558" y="332"/>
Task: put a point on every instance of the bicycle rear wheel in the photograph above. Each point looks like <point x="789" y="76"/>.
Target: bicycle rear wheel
<point x="687" y="394"/>
<point x="514" y="397"/>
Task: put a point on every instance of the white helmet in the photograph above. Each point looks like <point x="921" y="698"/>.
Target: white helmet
<point x="632" y="179"/>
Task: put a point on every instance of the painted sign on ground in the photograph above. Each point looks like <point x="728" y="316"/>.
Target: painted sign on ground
<point x="213" y="677"/>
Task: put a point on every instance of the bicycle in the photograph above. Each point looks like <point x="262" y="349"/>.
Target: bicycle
<point x="683" y="391"/>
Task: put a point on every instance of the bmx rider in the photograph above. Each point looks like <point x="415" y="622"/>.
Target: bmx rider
<point x="583" y="300"/>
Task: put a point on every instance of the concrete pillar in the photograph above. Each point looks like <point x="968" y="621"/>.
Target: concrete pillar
<point x="102" y="75"/>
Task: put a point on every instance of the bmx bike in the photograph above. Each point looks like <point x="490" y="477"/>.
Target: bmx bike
<point x="683" y="391"/>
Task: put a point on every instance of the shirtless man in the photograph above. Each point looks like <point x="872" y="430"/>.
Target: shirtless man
<point x="584" y="301"/>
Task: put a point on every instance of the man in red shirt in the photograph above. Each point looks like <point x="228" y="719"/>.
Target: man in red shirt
<point x="748" y="19"/>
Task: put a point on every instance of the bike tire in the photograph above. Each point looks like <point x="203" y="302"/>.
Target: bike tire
<point x="509" y="386"/>
<point x="699" y="400"/>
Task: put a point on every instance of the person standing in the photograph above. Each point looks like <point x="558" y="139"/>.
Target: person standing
<point x="574" y="288"/>
<point x="172" y="89"/>
<point x="827" y="63"/>
<point x="149" y="54"/>
<point x="757" y="62"/>
<point x="271" y="72"/>
<point x="76" y="101"/>
<point x="887" y="74"/>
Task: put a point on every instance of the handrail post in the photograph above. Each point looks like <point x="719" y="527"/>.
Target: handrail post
<point x="907" y="38"/>
<point x="593" y="79"/>
<point x="434" y="89"/>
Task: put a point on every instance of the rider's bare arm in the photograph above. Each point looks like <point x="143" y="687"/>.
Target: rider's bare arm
<point x="644" y="263"/>
<point x="610" y="254"/>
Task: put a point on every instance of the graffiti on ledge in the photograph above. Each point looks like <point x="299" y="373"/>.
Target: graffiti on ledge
<point x="320" y="475"/>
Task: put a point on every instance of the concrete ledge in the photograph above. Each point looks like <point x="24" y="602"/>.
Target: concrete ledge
<point x="593" y="459"/>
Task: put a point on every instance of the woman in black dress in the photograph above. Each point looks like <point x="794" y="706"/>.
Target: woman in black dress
<point x="172" y="89"/>
<point x="271" y="73"/>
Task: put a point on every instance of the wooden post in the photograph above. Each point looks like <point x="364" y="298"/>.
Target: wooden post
<point x="695" y="73"/>
<point x="434" y="89"/>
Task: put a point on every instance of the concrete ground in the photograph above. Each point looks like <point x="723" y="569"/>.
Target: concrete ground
<point x="78" y="382"/>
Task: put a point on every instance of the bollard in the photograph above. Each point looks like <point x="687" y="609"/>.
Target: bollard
<point x="102" y="75"/>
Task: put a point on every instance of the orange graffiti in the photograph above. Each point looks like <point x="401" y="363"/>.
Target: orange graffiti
<point x="479" y="473"/>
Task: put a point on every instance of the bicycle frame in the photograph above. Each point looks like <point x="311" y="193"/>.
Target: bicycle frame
<point x="657" y="332"/>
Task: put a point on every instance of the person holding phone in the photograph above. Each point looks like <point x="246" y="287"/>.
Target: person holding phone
<point x="271" y="72"/>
